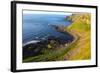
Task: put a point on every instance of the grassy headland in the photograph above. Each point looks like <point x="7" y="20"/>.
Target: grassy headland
<point x="81" y="27"/>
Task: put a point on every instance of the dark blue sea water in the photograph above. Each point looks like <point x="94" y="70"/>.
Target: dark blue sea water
<point x="38" y="27"/>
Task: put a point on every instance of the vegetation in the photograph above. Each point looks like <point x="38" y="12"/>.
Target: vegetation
<point x="81" y="27"/>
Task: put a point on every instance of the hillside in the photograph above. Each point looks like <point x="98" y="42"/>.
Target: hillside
<point x="80" y="21"/>
<point x="81" y="27"/>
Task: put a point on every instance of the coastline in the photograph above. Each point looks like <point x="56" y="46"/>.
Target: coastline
<point x="53" y="54"/>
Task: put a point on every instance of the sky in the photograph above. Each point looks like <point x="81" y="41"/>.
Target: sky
<point x="45" y="12"/>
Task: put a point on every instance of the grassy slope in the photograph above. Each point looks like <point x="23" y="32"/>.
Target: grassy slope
<point x="80" y="27"/>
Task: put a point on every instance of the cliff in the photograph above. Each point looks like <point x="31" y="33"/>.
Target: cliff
<point x="80" y="21"/>
<point x="81" y="24"/>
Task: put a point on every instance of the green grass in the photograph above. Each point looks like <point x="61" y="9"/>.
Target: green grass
<point x="82" y="28"/>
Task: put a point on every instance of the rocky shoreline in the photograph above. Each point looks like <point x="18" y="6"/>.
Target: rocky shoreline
<point x="52" y="43"/>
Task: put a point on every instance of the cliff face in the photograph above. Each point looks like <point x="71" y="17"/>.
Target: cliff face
<point x="80" y="21"/>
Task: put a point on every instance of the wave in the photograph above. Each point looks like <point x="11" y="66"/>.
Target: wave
<point x="31" y="42"/>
